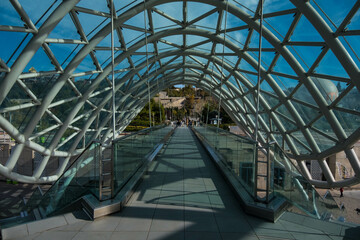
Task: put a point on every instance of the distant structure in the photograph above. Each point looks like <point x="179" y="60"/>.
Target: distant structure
<point x="32" y="70"/>
<point x="4" y="137"/>
<point x="28" y="160"/>
<point x="327" y="88"/>
<point x="339" y="166"/>
<point x="170" y="102"/>
<point x="215" y="120"/>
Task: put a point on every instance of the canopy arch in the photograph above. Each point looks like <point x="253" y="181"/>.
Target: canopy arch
<point x="228" y="74"/>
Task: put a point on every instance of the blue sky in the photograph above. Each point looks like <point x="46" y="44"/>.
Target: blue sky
<point x="304" y="32"/>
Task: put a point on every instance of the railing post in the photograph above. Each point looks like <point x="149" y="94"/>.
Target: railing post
<point x="100" y="174"/>
<point x="112" y="168"/>
<point x="267" y="173"/>
<point x="256" y="147"/>
<point x="94" y="164"/>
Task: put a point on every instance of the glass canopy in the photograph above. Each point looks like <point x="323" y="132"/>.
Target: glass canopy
<point x="56" y="71"/>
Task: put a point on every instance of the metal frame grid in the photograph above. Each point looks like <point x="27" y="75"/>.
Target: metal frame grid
<point x="170" y="50"/>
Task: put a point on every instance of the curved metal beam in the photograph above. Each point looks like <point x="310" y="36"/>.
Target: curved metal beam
<point x="344" y="140"/>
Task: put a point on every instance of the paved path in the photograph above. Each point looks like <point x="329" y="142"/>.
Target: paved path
<point x="351" y="201"/>
<point x="11" y="197"/>
<point x="184" y="197"/>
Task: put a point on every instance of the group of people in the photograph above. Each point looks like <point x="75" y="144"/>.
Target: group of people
<point x="182" y="123"/>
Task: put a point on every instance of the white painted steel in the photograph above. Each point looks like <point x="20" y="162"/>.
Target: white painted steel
<point x="143" y="79"/>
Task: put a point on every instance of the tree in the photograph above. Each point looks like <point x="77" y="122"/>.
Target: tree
<point x="212" y="107"/>
<point x="190" y="102"/>
<point x="188" y="91"/>
<point x="202" y="93"/>
<point x="179" y="114"/>
<point x="142" y="119"/>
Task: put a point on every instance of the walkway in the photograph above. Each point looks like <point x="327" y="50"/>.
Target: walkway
<point x="184" y="197"/>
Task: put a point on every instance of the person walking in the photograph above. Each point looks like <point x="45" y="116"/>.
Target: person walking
<point x="341" y="192"/>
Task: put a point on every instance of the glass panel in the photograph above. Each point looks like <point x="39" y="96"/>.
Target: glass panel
<point x="271" y="99"/>
<point x="351" y="45"/>
<point x="290" y="184"/>
<point x="286" y="84"/>
<point x="323" y="125"/>
<point x="351" y="100"/>
<point x="350" y="122"/>
<point x="16" y="95"/>
<point x="283" y="67"/>
<point x="306" y="54"/>
<point x="278" y="25"/>
<point x="286" y="123"/>
<point x="330" y="65"/>
<point x="131" y="152"/>
<point x="322" y="141"/>
<point x="301" y="142"/>
<point x="307" y="114"/>
<point x="81" y="178"/>
<point x="22" y="118"/>
<point x="310" y="34"/>
<point x="39" y="62"/>
<point x="238" y="154"/>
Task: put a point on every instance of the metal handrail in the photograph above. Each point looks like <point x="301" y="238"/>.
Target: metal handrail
<point x="233" y="134"/>
<point x="140" y="131"/>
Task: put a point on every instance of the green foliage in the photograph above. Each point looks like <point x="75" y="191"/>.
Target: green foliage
<point x="186" y="91"/>
<point x="140" y="122"/>
<point x="202" y="93"/>
<point x="189" y="102"/>
<point x="174" y="93"/>
<point x="134" y="128"/>
<point x="212" y="106"/>
<point x="179" y="114"/>
<point x="142" y="119"/>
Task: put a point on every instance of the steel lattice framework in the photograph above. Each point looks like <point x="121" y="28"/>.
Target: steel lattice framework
<point x="210" y="44"/>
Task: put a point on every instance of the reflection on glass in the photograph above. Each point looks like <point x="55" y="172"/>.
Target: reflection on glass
<point x="290" y="184"/>
<point x="237" y="153"/>
<point x="131" y="152"/>
<point x="81" y="178"/>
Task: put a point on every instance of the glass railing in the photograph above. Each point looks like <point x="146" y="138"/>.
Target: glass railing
<point x="277" y="176"/>
<point x="81" y="178"/>
<point x="237" y="153"/>
<point x="290" y="184"/>
<point x="131" y="152"/>
<point x="34" y="199"/>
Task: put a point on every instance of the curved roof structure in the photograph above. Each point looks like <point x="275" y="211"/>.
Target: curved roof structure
<point x="56" y="88"/>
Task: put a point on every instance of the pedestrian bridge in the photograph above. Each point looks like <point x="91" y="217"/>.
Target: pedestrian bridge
<point x="73" y="75"/>
<point x="165" y="183"/>
<point x="285" y="73"/>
